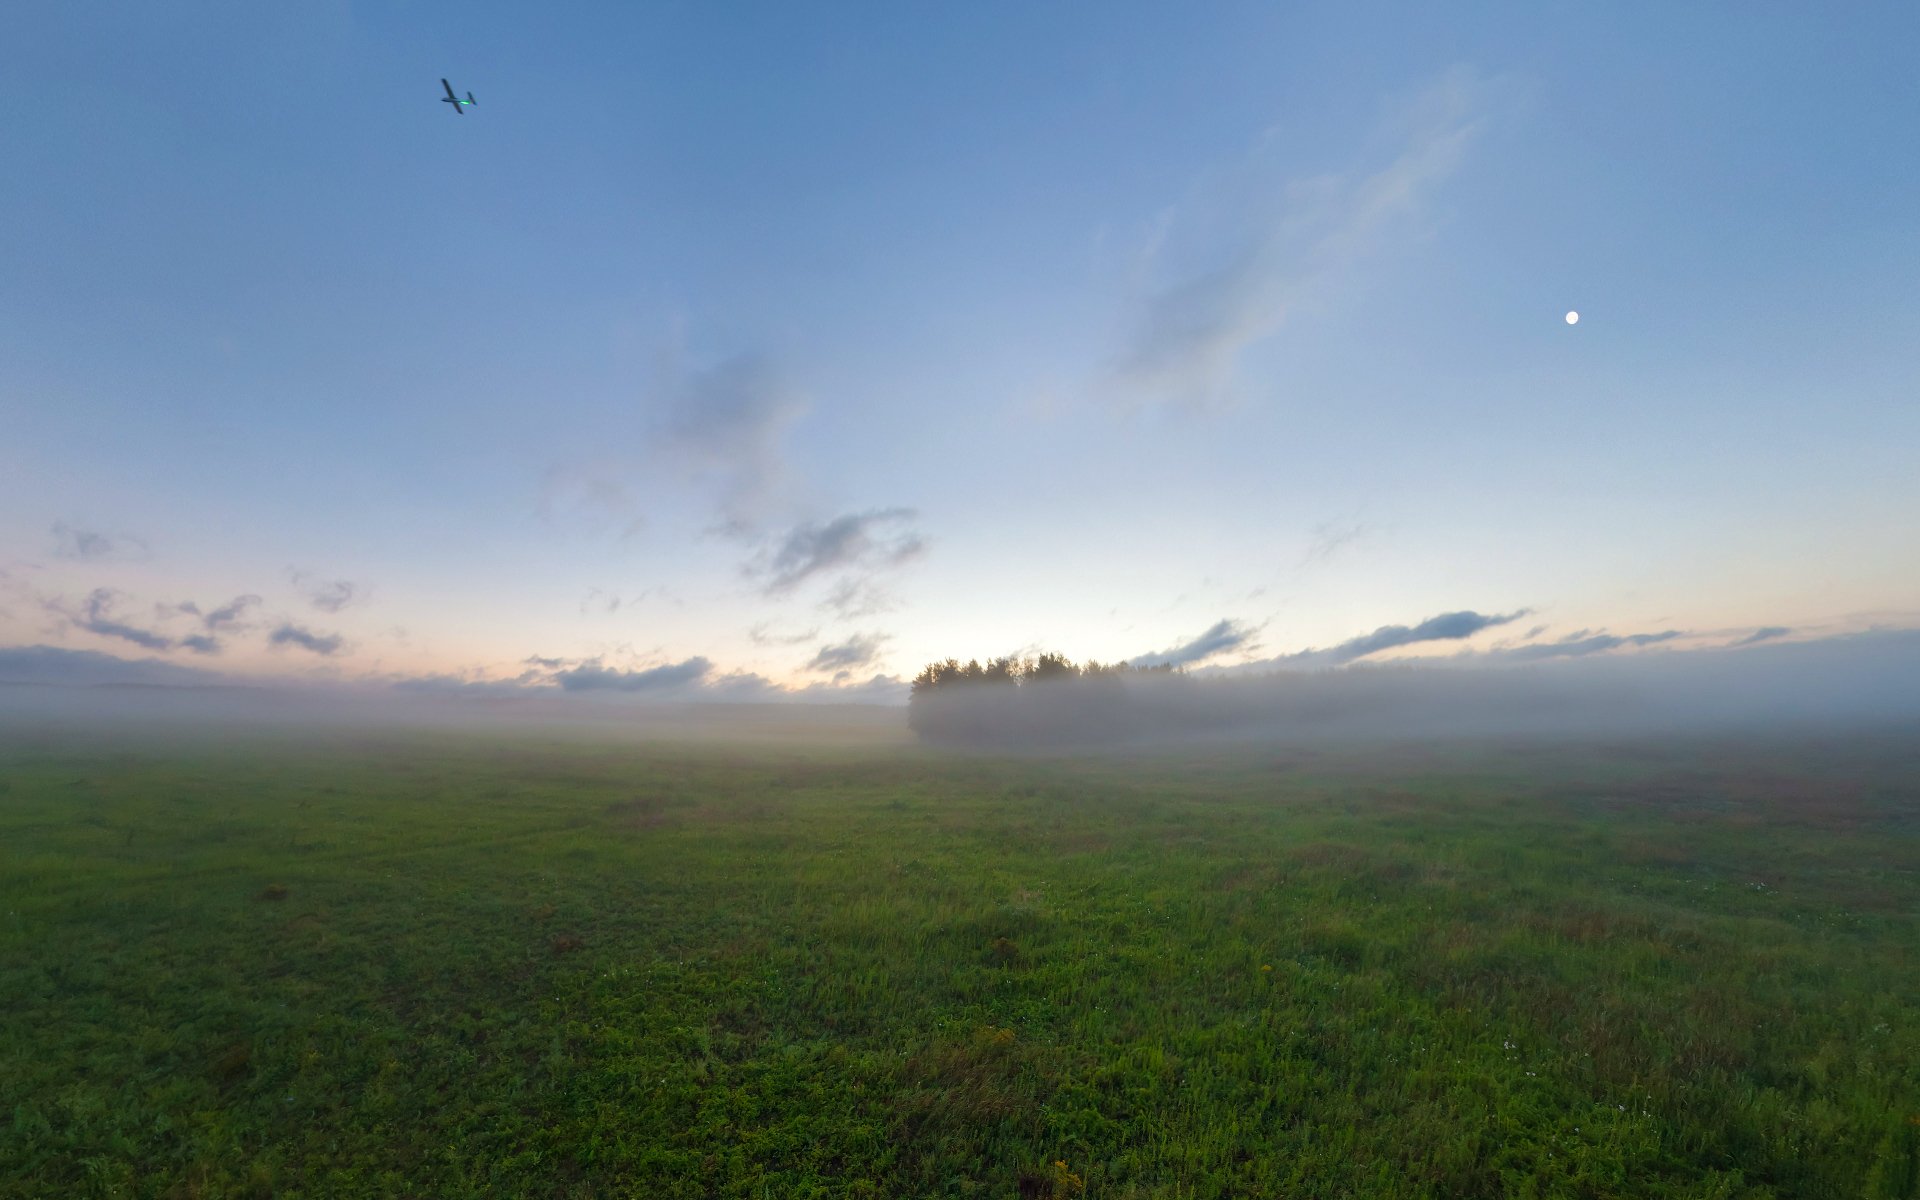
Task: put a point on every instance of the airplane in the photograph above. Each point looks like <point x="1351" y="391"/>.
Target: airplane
<point x="459" y="105"/>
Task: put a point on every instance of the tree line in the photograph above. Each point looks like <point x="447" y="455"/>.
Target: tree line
<point x="1046" y="699"/>
<point x="950" y="674"/>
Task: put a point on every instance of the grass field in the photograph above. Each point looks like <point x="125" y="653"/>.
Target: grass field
<point x="453" y="965"/>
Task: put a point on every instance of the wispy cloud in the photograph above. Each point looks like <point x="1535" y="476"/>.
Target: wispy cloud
<point x="851" y="599"/>
<point x="591" y="496"/>
<point x="857" y="651"/>
<point x="96" y="615"/>
<point x="868" y="541"/>
<point x="1217" y="640"/>
<point x="326" y="595"/>
<point x="1223" y="290"/>
<point x="761" y="635"/>
<point x="325" y="645"/>
<point x="1453" y="626"/>
<point x="1580" y="647"/>
<point x="1329" y="538"/>
<point x="726" y="424"/>
<point x="229" y="617"/>
<point x="89" y="545"/>
<point x="1765" y="633"/>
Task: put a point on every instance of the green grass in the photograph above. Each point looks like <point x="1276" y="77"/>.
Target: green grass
<point x="460" y="966"/>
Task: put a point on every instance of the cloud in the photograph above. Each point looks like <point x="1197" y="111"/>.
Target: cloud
<point x="201" y="643"/>
<point x="326" y="595"/>
<point x="1329" y="538"/>
<point x="1580" y="647"/>
<point x="859" y="650"/>
<point x="759" y="636"/>
<point x="227" y="617"/>
<point x="293" y="635"/>
<point x="591" y="496"/>
<point x="851" y="599"/>
<point x="726" y="424"/>
<point x="1233" y="279"/>
<point x="1763" y="634"/>
<point x="90" y="545"/>
<point x="96" y="616"/>
<point x="1222" y="637"/>
<point x="844" y="543"/>
<point x="879" y="689"/>
<point x="604" y="601"/>
<point x="52" y="664"/>
<point x="592" y="676"/>
<point x="1451" y="626"/>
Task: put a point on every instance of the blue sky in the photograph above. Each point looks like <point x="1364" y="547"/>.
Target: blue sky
<point x="804" y="346"/>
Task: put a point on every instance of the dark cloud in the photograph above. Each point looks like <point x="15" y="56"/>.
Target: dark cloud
<point x="51" y="664"/>
<point x="1222" y="637"/>
<point x="1580" y="647"/>
<point x="1764" y="634"/>
<point x="1451" y="626"/>
<point x="229" y="616"/>
<point x="550" y="664"/>
<point x="592" y="676"/>
<point x="844" y="543"/>
<point x="200" y="643"/>
<point x="293" y="635"/>
<point x="326" y="595"/>
<point x="96" y="616"/>
<point x="857" y="651"/>
<point x="91" y="545"/>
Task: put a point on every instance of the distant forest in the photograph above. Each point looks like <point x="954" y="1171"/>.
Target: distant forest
<point x="1033" y="701"/>
<point x="1009" y="671"/>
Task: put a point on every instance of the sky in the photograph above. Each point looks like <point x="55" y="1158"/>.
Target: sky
<point x="762" y="350"/>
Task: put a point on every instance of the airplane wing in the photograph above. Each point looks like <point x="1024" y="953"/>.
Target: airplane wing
<point x="450" y="95"/>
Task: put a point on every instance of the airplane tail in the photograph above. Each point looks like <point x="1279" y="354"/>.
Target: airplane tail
<point x="470" y="99"/>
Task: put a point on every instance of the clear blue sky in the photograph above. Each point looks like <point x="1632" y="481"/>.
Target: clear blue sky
<point x="829" y="340"/>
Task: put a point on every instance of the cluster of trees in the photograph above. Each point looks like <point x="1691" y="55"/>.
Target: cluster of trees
<point x="1048" y="700"/>
<point x="1014" y="672"/>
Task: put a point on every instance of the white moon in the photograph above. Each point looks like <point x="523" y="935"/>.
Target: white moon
<point x="1573" y="318"/>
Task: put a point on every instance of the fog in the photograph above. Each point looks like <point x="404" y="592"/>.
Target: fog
<point x="174" y="711"/>
<point x="1865" y="680"/>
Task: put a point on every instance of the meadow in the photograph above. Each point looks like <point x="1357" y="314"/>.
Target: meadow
<point x="454" y="964"/>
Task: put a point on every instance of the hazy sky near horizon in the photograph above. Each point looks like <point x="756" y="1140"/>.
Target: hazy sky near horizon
<point x="814" y="344"/>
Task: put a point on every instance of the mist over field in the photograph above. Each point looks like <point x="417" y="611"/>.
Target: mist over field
<point x="1864" y="681"/>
